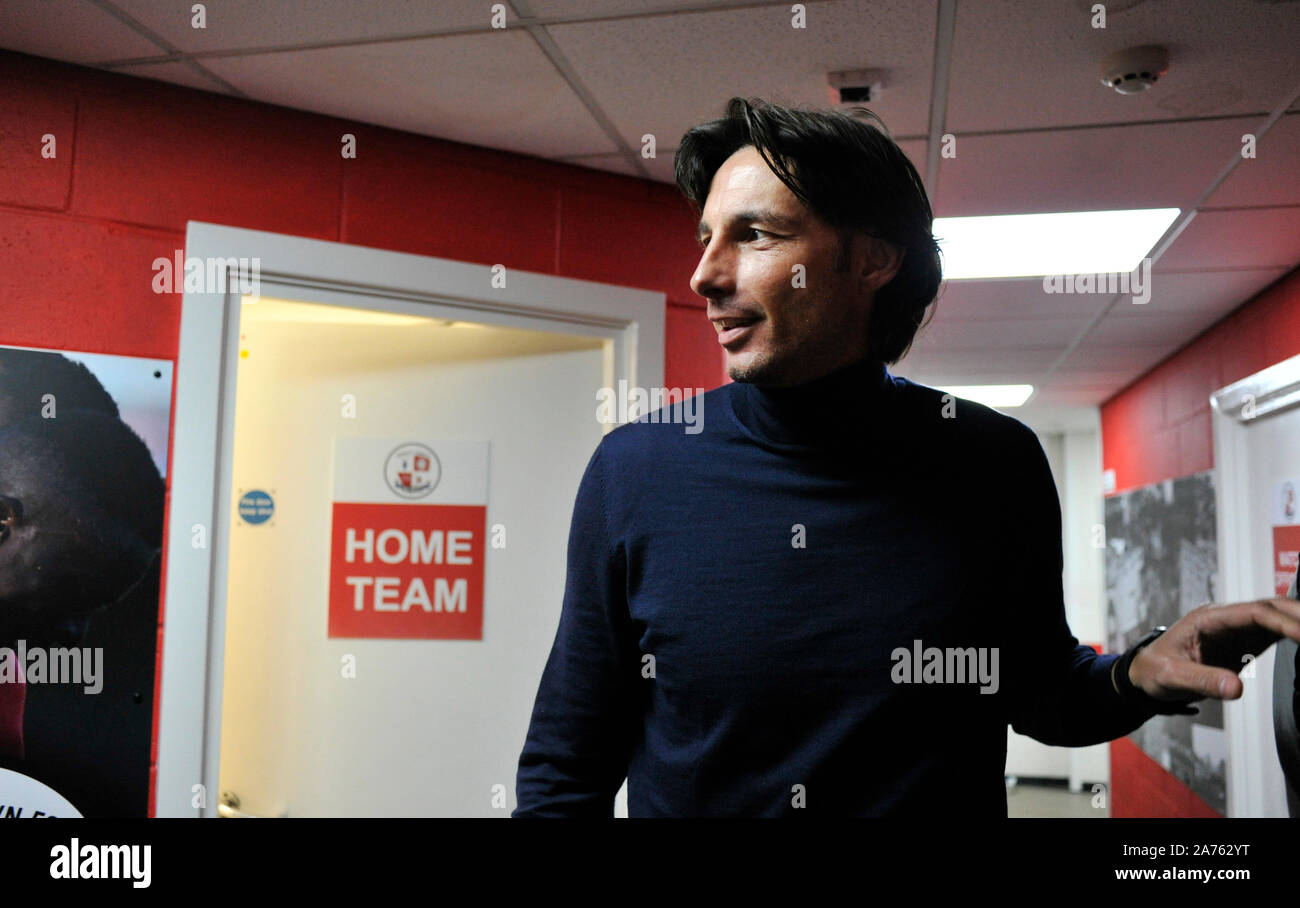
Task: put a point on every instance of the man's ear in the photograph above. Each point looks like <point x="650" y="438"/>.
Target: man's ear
<point x="883" y="259"/>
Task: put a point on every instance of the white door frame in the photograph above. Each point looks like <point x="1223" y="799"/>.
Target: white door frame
<point x="1251" y="774"/>
<point x="194" y="629"/>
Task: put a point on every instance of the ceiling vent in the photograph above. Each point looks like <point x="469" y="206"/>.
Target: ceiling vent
<point x="856" y="86"/>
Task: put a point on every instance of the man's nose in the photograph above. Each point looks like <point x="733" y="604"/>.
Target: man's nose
<point x="714" y="274"/>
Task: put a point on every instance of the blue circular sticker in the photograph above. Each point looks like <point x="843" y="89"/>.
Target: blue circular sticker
<point x="256" y="507"/>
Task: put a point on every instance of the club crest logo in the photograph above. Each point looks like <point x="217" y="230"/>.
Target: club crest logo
<point x="412" y="470"/>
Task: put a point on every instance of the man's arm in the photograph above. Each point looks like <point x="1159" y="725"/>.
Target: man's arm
<point x="1058" y="691"/>
<point x="587" y="712"/>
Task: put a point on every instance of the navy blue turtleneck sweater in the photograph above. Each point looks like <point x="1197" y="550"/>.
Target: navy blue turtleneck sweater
<point x="738" y="600"/>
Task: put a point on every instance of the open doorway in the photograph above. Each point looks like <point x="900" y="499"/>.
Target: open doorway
<point x="342" y="363"/>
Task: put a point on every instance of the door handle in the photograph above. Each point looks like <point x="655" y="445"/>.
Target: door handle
<point x="228" y="807"/>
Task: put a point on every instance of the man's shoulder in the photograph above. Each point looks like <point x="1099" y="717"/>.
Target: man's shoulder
<point x="965" y="421"/>
<point x="669" y="416"/>
<point x="957" y="413"/>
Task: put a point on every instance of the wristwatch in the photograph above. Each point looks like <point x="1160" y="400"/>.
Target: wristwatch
<point x="1130" y="692"/>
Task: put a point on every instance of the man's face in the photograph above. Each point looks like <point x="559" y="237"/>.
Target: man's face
<point x="777" y="327"/>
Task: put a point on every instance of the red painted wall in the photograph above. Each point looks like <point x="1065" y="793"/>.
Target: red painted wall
<point x="1159" y="428"/>
<point x="138" y="159"/>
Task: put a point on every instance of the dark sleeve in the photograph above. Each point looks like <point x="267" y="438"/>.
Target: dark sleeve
<point x="586" y="714"/>
<point x="1058" y="691"/>
<point x="1286" y="710"/>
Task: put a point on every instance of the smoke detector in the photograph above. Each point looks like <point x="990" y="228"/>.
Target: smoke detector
<point x="855" y="86"/>
<point x="1135" y="69"/>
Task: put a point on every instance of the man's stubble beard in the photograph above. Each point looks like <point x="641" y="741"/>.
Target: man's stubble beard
<point x="756" y="370"/>
<point x="775" y="370"/>
<point x="815" y="354"/>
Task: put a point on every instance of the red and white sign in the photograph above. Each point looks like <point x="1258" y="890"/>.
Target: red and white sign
<point x="1286" y="534"/>
<point x="408" y="538"/>
<point x="1286" y="555"/>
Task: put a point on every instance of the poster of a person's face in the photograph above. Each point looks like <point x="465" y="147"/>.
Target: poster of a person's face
<point x="83" y="447"/>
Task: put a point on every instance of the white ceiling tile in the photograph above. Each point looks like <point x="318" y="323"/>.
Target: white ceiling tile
<point x="1048" y="402"/>
<point x="611" y="163"/>
<point x="1150" y="330"/>
<point x="1237" y="238"/>
<point x="1196" y="292"/>
<point x="1070" y="386"/>
<point x="980" y="366"/>
<point x="1272" y="177"/>
<point x="1021" y="64"/>
<point x="1020" y="299"/>
<point x="1096" y="354"/>
<point x="241" y="24"/>
<point x="175" y="73"/>
<point x="1058" y="413"/>
<point x="1084" y="376"/>
<point x="494" y="90"/>
<point x="998" y="334"/>
<point x="76" y="32"/>
<point x="663" y="74"/>
<point x="549" y="8"/>
<point x="1103" y="169"/>
<point x="1052" y="410"/>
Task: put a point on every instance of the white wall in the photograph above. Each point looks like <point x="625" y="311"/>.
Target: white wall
<point x="1075" y="459"/>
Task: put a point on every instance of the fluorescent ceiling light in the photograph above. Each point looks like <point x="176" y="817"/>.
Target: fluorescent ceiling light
<point x="992" y="395"/>
<point x="271" y="309"/>
<point x="1030" y="245"/>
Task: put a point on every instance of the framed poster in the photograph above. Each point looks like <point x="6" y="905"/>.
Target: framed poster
<point x="83" y="447"/>
<point x="1161" y="563"/>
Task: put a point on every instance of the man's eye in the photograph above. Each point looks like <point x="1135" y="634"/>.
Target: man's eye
<point x="752" y="230"/>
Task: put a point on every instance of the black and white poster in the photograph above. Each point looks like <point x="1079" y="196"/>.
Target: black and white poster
<point x="1161" y="563"/>
<point x="83" y="449"/>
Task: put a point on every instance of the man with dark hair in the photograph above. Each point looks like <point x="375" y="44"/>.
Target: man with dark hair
<point x="836" y="597"/>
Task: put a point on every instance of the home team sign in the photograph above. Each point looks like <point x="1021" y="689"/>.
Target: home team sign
<point x="407" y="538"/>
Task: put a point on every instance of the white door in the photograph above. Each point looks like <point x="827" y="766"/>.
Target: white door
<point x="341" y="343"/>
<point x="1257" y="453"/>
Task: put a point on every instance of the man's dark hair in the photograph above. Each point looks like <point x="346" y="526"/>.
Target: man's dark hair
<point x="849" y="174"/>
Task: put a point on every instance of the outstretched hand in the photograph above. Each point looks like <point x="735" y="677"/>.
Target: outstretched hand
<point x="1201" y="654"/>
